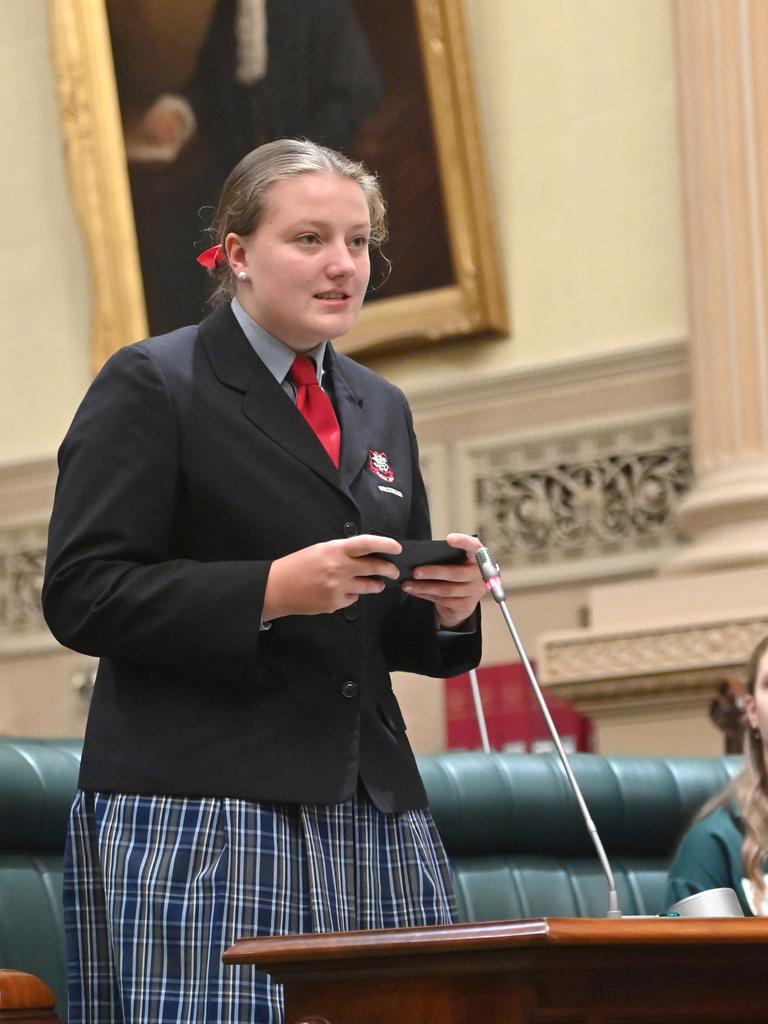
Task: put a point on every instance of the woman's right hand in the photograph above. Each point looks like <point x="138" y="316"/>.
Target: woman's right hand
<point x="328" y="576"/>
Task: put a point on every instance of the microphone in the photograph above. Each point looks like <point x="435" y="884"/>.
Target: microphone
<point x="491" y="574"/>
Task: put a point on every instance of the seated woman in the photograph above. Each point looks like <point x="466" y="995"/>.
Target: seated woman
<point x="728" y="844"/>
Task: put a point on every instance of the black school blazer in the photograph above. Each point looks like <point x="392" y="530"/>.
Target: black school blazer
<point x="186" y="470"/>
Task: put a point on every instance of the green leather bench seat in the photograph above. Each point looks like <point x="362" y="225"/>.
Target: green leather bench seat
<point x="37" y="782"/>
<point x="516" y="841"/>
<point x="518" y="845"/>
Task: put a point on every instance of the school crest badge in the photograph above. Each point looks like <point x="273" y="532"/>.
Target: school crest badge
<point x="378" y="463"/>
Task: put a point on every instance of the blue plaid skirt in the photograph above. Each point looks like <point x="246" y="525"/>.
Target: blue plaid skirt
<point x="157" y="888"/>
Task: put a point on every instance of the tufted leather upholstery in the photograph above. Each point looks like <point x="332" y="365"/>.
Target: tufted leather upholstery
<point x="513" y="833"/>
<point x="518" y="845"/>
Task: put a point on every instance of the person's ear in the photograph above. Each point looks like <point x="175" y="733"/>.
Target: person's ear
<point x="750" y="710"/>
<point x="234" y="248"/>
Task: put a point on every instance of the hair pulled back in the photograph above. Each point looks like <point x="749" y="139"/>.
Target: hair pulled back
<point x="750" y="790"/>
<point x="245" y="194"/>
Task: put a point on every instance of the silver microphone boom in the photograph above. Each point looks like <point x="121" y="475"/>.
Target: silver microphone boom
<point x="491" y="573"/>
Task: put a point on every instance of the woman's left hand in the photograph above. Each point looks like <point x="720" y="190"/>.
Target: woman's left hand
<point x="453" y="589"/>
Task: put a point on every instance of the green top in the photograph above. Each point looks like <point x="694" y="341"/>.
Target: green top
<point x="709" y="857"/>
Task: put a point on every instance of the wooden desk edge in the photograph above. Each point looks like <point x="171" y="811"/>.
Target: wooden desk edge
<point x="552" y="931"/>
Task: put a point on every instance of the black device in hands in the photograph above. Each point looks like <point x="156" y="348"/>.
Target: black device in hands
<point x="420" y="552"/>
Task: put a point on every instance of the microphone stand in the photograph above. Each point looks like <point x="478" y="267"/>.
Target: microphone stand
<point x="491" y="573"/>
<point x="479" y="713"/>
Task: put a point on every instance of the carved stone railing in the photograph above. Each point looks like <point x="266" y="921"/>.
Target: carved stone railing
<point x="595" y="500"/>
<point x="22" y="560"/>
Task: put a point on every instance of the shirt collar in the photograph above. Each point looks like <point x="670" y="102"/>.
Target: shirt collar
<point x="276" y="356"/>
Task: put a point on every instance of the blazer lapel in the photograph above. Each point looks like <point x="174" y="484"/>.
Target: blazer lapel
<point x="354" y="426"/>
<point x="265" y="403"/>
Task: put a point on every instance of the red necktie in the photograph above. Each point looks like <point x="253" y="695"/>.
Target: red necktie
<point x="315" y="406"/>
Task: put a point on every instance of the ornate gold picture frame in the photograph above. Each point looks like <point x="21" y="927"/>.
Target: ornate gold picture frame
<point x="472" y="302"/>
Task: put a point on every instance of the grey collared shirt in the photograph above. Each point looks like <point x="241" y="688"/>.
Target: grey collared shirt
<point x="275" y="355"/>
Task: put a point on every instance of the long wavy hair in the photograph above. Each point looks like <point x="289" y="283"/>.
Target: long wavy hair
<point x="245" y="194"/>
<point x="750" y="791"/>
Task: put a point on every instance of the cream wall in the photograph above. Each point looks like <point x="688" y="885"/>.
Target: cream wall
<point x="578" y="105"/>
<point x="43" y="280"/>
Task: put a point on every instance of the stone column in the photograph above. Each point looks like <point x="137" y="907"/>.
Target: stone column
<point x="723" y="72"/>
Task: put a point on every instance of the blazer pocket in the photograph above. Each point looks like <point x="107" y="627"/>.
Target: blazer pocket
<point x="390" y="711"/>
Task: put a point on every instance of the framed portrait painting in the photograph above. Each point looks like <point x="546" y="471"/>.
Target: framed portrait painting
<point x="161" y="98"/>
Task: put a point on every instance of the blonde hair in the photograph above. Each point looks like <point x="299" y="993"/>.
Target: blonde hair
<point x="750" y="790"/>
<point x="245" y="194"/>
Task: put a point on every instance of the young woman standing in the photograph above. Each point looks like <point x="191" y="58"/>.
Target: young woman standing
<point x="246" y="768"/>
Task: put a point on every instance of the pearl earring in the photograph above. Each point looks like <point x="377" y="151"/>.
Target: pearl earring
<point x="242" y="275"/>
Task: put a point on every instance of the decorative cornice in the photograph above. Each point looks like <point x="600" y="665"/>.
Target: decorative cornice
<point x="672" y="691"/>
<point x="27" y="469"/>
<point x="26" y="490"/>
<point x="615" y="365"/>
<point x="652" y="666"/>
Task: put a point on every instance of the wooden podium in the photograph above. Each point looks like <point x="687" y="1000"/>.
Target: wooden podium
<point x="553" y="970"/>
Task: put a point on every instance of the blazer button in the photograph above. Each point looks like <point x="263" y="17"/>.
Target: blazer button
<point x="351" y="613"/>
<point x="350" y="529"/>
<point x="350" y="689"/>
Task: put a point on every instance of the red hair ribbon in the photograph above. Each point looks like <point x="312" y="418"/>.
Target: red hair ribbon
<point x="212" y="257"/>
